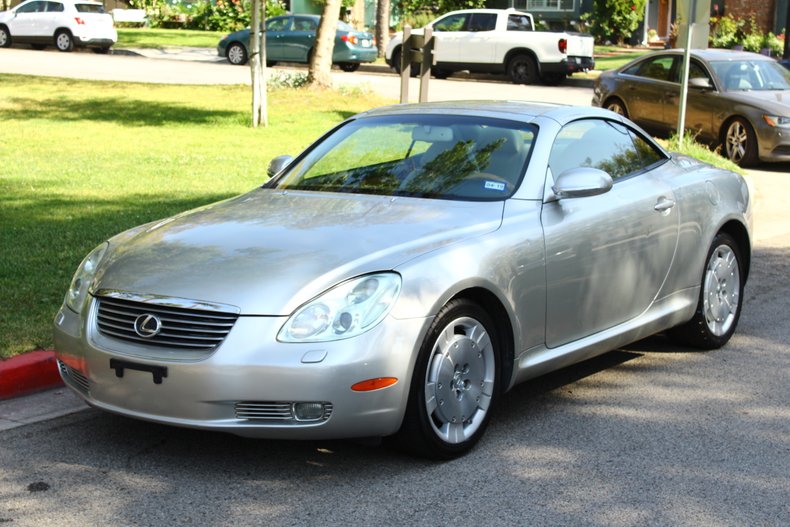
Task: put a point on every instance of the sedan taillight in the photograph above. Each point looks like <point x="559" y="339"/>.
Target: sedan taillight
<point x="349" y="38"/>
<point x="562" y="45"/>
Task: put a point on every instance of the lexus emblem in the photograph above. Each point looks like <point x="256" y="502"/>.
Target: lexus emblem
<point x="147" y="325"/>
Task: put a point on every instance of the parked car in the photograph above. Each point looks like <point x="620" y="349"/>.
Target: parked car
<point x="60" y="23"/>
<point x="292" y="38"/>
<point x="736" y="99"/>
<point x="404" y="271"/>
<point x="500" y="41"/>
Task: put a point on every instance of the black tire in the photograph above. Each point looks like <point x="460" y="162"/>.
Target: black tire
<point x="64" y="41"/>
<point x="720" y="297"/>
<point x="236" y="54"/>
<point x="271" y="63"/>
<point x="455" y="383"/>
<point x="5" y="37"/>
<point x="396" y="60"/>
<point x="522" y="69"/>
<point x="740" y="142"/>
<point x="350" y="67"/>
<point x="616" y="105"/>
<point x="440" y="73"/>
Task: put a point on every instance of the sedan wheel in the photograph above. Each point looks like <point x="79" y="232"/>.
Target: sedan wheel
<point x="740" y="143"/>
<point x="616" y="106"/>
<point x="454" y="383"/>
<point x="63" y="41"/>
<point x="349" y="66"/>
<point x="720" y="300"/>
<point x="237" y="54"/>
<point x="5" y="37"/>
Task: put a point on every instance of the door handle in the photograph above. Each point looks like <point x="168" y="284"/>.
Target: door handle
<point x="664" y="204"/>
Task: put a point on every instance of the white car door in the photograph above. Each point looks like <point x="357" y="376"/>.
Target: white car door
<point x="448" y="32"/>
<point x="478" y="43"/>
<point x="27" y="19"/>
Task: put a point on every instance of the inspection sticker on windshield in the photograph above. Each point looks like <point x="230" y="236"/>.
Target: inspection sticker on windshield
<point x="495" y="185"/>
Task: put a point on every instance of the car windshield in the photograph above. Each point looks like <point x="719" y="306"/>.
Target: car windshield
<point x="742" y="75"/>
<point x="432" y="156"/>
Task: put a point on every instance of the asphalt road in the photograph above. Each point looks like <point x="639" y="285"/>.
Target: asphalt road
<point x="653" y="434"/>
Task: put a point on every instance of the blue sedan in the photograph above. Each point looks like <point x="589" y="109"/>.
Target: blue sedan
<point x="292" y="39"/>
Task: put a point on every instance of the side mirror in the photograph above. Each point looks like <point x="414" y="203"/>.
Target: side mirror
<point x="581" y="182"/>
<point x="278" y="164"/>
<point x="700" y="83"/>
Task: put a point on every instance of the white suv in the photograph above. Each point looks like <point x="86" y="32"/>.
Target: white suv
<point x="62" y="23"/>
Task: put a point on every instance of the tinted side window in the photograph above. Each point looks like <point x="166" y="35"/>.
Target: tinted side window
<point x="601" y="144"/>
<point x="86" y="8"/>
<point x="305" y="24"/>
<point x="659" y="68"/>
<point x="482" y="22"/>
<point x="451" y="23"/>
<point x="518" y="23"/>
<point x="33" y="7"/>
<point x="279" y="24"/>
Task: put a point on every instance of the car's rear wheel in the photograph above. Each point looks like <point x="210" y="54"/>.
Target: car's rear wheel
<point x="271" y="63"/>
<point x="617" y="106"/>
<point x="63" y="40"/>
<point x="720" y="298"/>
<point x="522" y="69"/>
<point x="454" y="384"/>
<point x="349" y="66"/>
<point x="236" y="54"/>
<point x="740" y="142"/>
<point x="440" y="73"/>
<point x="5" y="37"/>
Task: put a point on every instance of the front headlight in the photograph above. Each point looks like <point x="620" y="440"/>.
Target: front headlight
<point x="344" y="311"/>
<point x="78" y="290"/>
<point x="777" y="121"/>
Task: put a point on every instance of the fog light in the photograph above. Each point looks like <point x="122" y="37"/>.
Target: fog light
<point x="308" y="411"/>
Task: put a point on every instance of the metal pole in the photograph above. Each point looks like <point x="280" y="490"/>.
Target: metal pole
<point x="405" y="64"/>
<point x="684" y="81"/>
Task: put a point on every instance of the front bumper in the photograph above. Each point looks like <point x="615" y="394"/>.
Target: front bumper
<point x="249" y="368"/>
<point x="773" y="143"/>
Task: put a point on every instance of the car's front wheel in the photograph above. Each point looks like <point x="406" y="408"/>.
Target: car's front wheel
<point x="64" y="41"/>
<point x="454" y="384"/>
<point x="740" y="142"/>
<point x="236" y="54"/>
<point x="720" y="298"/>
<point x="5" y="37"/>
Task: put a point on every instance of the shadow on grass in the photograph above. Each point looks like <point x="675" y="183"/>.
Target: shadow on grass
<point x="130" y="112"/>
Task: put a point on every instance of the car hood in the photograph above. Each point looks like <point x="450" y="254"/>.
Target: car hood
<point x="776" y="101"/>
<point x="269" y="251"/>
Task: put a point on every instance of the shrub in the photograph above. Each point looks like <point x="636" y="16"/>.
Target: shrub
<point x="614" y="20"/>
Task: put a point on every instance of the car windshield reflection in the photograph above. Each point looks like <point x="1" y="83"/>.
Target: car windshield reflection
<point x="433" y="156"/>
<point x="757" y="75"/>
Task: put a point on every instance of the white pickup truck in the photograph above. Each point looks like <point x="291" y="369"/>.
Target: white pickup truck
<point x="501" y="41"/>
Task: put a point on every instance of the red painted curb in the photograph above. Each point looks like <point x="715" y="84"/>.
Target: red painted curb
<point x="27" y="373"/>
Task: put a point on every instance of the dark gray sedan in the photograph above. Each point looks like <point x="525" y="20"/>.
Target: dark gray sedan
<point x="737" y="99"/>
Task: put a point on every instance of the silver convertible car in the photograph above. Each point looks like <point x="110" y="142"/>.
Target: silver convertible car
<point x="403" y="272"/>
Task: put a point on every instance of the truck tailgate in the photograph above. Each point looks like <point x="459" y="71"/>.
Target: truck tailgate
<point x="580" y="45"/>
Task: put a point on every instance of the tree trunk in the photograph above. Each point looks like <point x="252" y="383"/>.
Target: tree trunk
<point x="382" y="25"/>
<point x="258" y="64"/>
<point x="320" y="73"/>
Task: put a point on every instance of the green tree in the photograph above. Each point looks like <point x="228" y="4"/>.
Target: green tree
<point x="615" y="20"/>
<point x="437" y="6"/>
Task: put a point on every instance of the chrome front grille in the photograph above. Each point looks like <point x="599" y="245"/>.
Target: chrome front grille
<point x="189" y="326"/>
<point x="74" y="377"/>
<point x="272" y="412"/>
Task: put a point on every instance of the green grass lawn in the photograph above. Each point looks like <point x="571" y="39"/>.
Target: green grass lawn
<point x="612" y="57"/>
<point x="84" y="160"/>
<point x="162" y="38"/>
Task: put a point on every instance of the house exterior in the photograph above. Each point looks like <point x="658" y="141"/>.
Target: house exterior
<point x="557" y="14"/>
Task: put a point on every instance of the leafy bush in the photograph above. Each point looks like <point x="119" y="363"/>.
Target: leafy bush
<point x="283" y="80"/>
<point x="729" y="31"/>
<point x="207" y="15"/>
<point x="614" y="20"/>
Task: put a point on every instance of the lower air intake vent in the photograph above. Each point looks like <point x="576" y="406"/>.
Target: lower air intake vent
<point x="75" y="378"/>
<point x="283" y="412"/>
